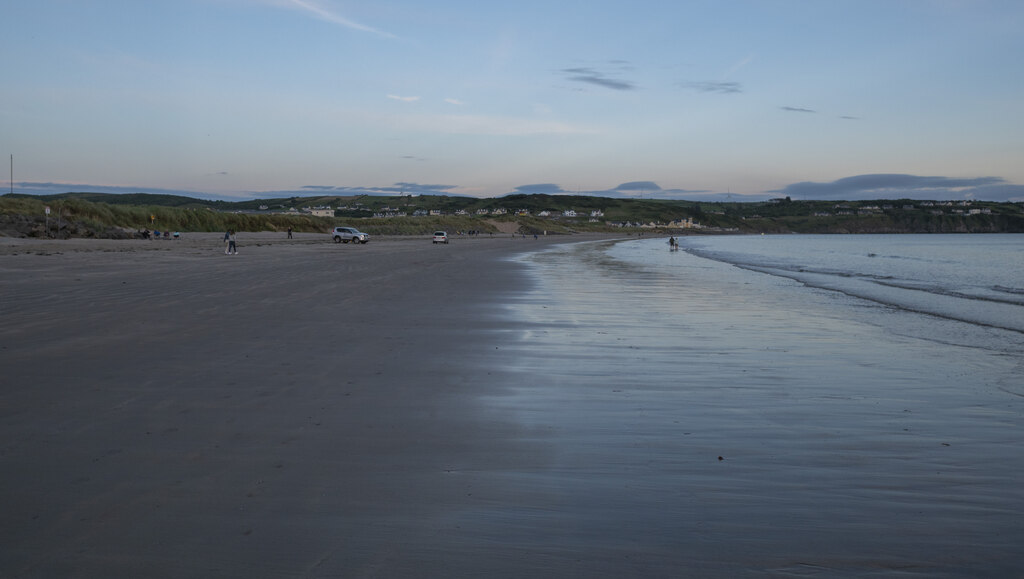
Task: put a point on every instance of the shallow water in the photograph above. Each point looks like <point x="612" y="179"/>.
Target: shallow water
<point x="698" y="418"/>
<point x="976" y="279"/>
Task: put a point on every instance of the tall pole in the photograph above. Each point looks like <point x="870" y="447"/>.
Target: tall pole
<point x="12" y="173"/>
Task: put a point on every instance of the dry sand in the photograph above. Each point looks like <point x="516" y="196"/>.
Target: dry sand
<point x="301" y="409"/>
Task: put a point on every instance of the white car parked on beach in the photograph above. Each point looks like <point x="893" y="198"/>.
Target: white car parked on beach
<point x="347" y="234"/>
<point x="440" y="237"/>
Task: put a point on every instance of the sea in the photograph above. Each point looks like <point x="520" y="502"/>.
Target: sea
<point x="769" y="405"/>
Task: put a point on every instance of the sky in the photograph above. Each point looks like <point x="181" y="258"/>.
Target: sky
<point x="704" y="100"/>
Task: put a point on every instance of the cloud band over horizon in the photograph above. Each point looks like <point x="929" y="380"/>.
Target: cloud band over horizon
<point x="854" y="188"/>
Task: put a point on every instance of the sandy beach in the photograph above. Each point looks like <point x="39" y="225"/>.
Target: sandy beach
<point x="497" y="406"/>
<point x="303" y="408"/>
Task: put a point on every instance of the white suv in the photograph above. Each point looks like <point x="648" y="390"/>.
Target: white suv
<point x="347" y="234"/>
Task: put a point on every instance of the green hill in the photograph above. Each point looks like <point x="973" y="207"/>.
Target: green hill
<point x="121" y="215"/>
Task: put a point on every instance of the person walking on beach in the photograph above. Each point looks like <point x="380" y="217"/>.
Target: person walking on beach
<point x="289" y="233"/>
<point x="232" y="248"/>
<point x="227" y="238"/>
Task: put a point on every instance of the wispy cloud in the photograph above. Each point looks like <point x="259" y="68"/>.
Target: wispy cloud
<point x="631" y="190"/>
<point x="486" y="125"/>
<point x="424" y="186"/>
<point x="797" y="110"/>
<point x="725" y="87"/>
<point x="455" y="102"/>
<point x="596" y="77"/>
<point x="408" y="99"/>
<point x="741" y="64"/>
<point x="327" y="16"/>
<point x="396" y="189"/>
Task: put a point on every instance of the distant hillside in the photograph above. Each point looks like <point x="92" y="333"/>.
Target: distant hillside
<point x="112" y="215"/>
<point x="139" y="199"/>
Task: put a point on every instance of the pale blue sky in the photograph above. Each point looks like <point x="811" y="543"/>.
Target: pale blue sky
<point x="258" y="98"/>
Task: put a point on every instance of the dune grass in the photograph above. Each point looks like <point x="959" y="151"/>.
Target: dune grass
<point x="99" y="218"/>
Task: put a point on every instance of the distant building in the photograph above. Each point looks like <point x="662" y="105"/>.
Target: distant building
<point x="684" y="223"/>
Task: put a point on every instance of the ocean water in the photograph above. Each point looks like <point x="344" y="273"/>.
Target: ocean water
<point x="768" y="406"/>
<point x="975" y="279"/>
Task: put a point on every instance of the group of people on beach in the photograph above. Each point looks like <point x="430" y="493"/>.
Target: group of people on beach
<point x="145" y="234"/>
<point x="230" y="247"/>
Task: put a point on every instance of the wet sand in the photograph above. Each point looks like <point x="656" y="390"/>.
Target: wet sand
<point x="701" y="420"/>
<point x="301" y="409"/>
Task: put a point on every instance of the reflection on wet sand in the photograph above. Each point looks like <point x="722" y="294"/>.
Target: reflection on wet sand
<point x="726" y="423"/>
